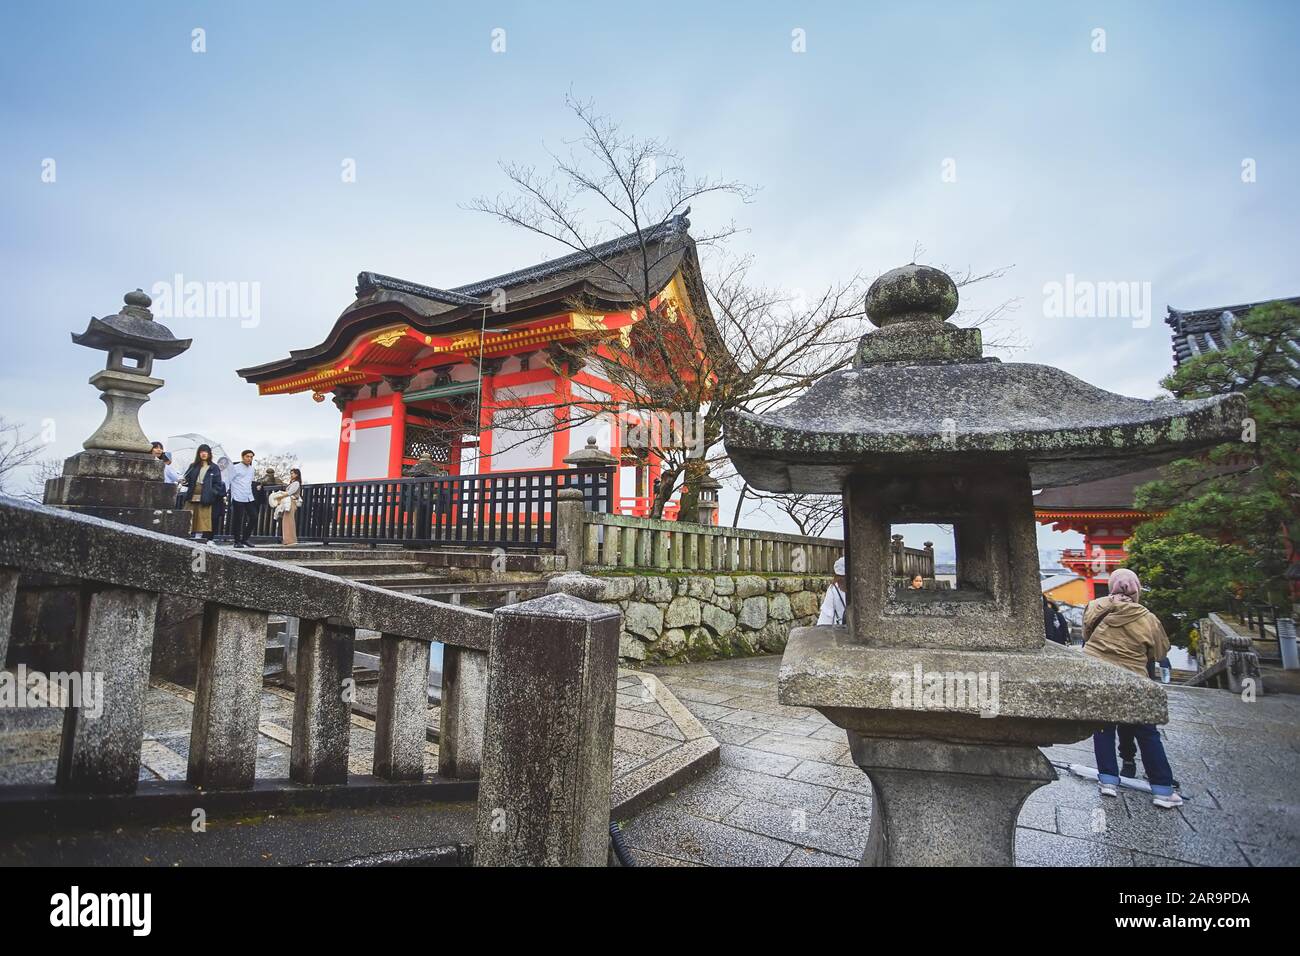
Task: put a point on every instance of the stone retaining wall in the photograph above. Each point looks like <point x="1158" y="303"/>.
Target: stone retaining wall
<point x="682" y="617"/>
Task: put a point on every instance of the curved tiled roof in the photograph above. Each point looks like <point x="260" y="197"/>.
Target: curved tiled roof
<point x="606" y="275"/>
<point x="1196" y="332"/>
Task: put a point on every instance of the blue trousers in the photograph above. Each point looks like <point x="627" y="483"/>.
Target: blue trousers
<point x="1153" y="756"/>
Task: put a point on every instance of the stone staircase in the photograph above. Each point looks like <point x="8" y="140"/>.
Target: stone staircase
<point x="453" y="577"/>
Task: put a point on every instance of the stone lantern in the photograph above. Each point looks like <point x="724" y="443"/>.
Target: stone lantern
<point x="426" y="467"/>
<point x="707" y="488"/>
<point x="116" y="477"/>
<point x="590" y="456"/>
<point x="947" y="695"/>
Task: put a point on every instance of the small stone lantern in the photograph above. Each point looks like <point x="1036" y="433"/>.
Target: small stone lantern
<point x="707" y="488"/>
<point x="947" y="695"/>
<point x="116" y="477"/>
<point x="426" y="467"/>
<point x="590" y="456"/>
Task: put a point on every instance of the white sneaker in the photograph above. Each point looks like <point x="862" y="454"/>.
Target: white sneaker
<point x="1108" y="790"/>
<point x="1168" y="801"/>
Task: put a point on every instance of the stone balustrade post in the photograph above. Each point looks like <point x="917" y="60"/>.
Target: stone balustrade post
<point x="227" y="698"/>
<point x="322" y="710"/>
<point x="463" y="712"/>
<point x="402" y="708"/>
<point x="569" y="539"/>
<point x="102" y="733"/>
<point x="544" y="791"/>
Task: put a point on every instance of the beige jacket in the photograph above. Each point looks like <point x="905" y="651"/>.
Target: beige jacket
<point x="1123" y="633"/>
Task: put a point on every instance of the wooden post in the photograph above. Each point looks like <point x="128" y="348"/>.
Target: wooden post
<point x="402" y="711"/>
<point x="322" y="707"/>
<point x="102" y="732"/>
<point x="227" y="698"/>
<point x="548" y="753"/>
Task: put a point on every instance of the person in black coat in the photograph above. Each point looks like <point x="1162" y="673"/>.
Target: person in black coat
<point x="204" y="489"/>
<point x="1055" y="627"/>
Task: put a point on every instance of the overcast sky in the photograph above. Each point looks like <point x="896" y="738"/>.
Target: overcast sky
<point x="1162" y="150"/>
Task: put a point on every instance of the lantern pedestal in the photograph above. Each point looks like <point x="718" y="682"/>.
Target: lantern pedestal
<point x="944" y="804"/>
<point x="124" y="393"/>
<point x="119" y="486"/>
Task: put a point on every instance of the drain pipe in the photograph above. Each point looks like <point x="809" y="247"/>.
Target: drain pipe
<point x="620" y="848"/>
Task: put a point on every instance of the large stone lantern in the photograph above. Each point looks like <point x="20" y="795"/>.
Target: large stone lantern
<point x="947" y="694"/>
<point x="116" y="477"/>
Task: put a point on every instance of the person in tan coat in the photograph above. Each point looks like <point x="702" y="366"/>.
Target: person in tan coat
<point x="1119" y="630"/>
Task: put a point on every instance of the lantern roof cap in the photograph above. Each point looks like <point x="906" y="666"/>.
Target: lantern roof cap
<point x="922" y="398"/>
<point x="707" y="482"/>
<point x="590" y="455"/>
<point x="133" y="327"/>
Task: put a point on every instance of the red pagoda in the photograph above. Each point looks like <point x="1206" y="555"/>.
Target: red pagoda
<point x="421" y="371"/>
<point x="1103" y="512"/>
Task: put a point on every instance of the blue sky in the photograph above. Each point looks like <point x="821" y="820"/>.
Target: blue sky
<point x="1122" y="165"/>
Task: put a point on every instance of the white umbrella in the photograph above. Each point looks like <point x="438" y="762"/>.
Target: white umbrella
<point x="184" y="447"/>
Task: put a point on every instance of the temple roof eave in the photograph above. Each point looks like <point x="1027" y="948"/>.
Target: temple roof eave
<point x="384" y="307"/>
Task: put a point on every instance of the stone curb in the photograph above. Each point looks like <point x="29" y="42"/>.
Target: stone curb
<point x="654" y="780"/>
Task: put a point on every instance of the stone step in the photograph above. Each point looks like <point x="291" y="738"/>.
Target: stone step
<point x="355" y="568"/>
<point x="485" y="596"/>
<point x="397" y="582"/>
<point x="309" y="553"/>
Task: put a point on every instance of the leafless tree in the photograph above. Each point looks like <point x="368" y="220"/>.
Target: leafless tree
<point x="42" y="470"/>
<point x="811" y="514"/>
<point x="756" y="349"/>
<point x="278" y="463"/>
<point x="17" y="450"/>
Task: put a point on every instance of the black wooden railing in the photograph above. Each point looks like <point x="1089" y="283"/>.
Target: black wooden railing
<point x="508" y="509"/>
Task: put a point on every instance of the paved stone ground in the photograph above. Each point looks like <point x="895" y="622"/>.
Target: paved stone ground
<point x="656" y="739"/>
<point x="32" y="756"/>
<point x="787" y="794"/>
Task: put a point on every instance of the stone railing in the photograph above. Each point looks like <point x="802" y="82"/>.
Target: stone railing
<point x="500" y="711"/>
<point x="622" y="541"/>
<point x="1227" y="658"/>
<point x="909" y="562"/>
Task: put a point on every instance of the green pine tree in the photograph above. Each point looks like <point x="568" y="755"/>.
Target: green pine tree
<point x="1231" y="516"/>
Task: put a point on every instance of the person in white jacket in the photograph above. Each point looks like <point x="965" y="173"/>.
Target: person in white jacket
<point x="835" y="602"/>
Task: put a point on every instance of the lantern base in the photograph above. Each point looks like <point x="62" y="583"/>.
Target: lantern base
<point x="949" y="737"/>
<point x="119" y="486"/>
<point x="937" y="803"/>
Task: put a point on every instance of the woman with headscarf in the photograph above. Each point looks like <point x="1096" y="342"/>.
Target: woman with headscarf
<point x="205" y="488"/>
<point x="1119" y="630"/>
<point x="835" y="602"/>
